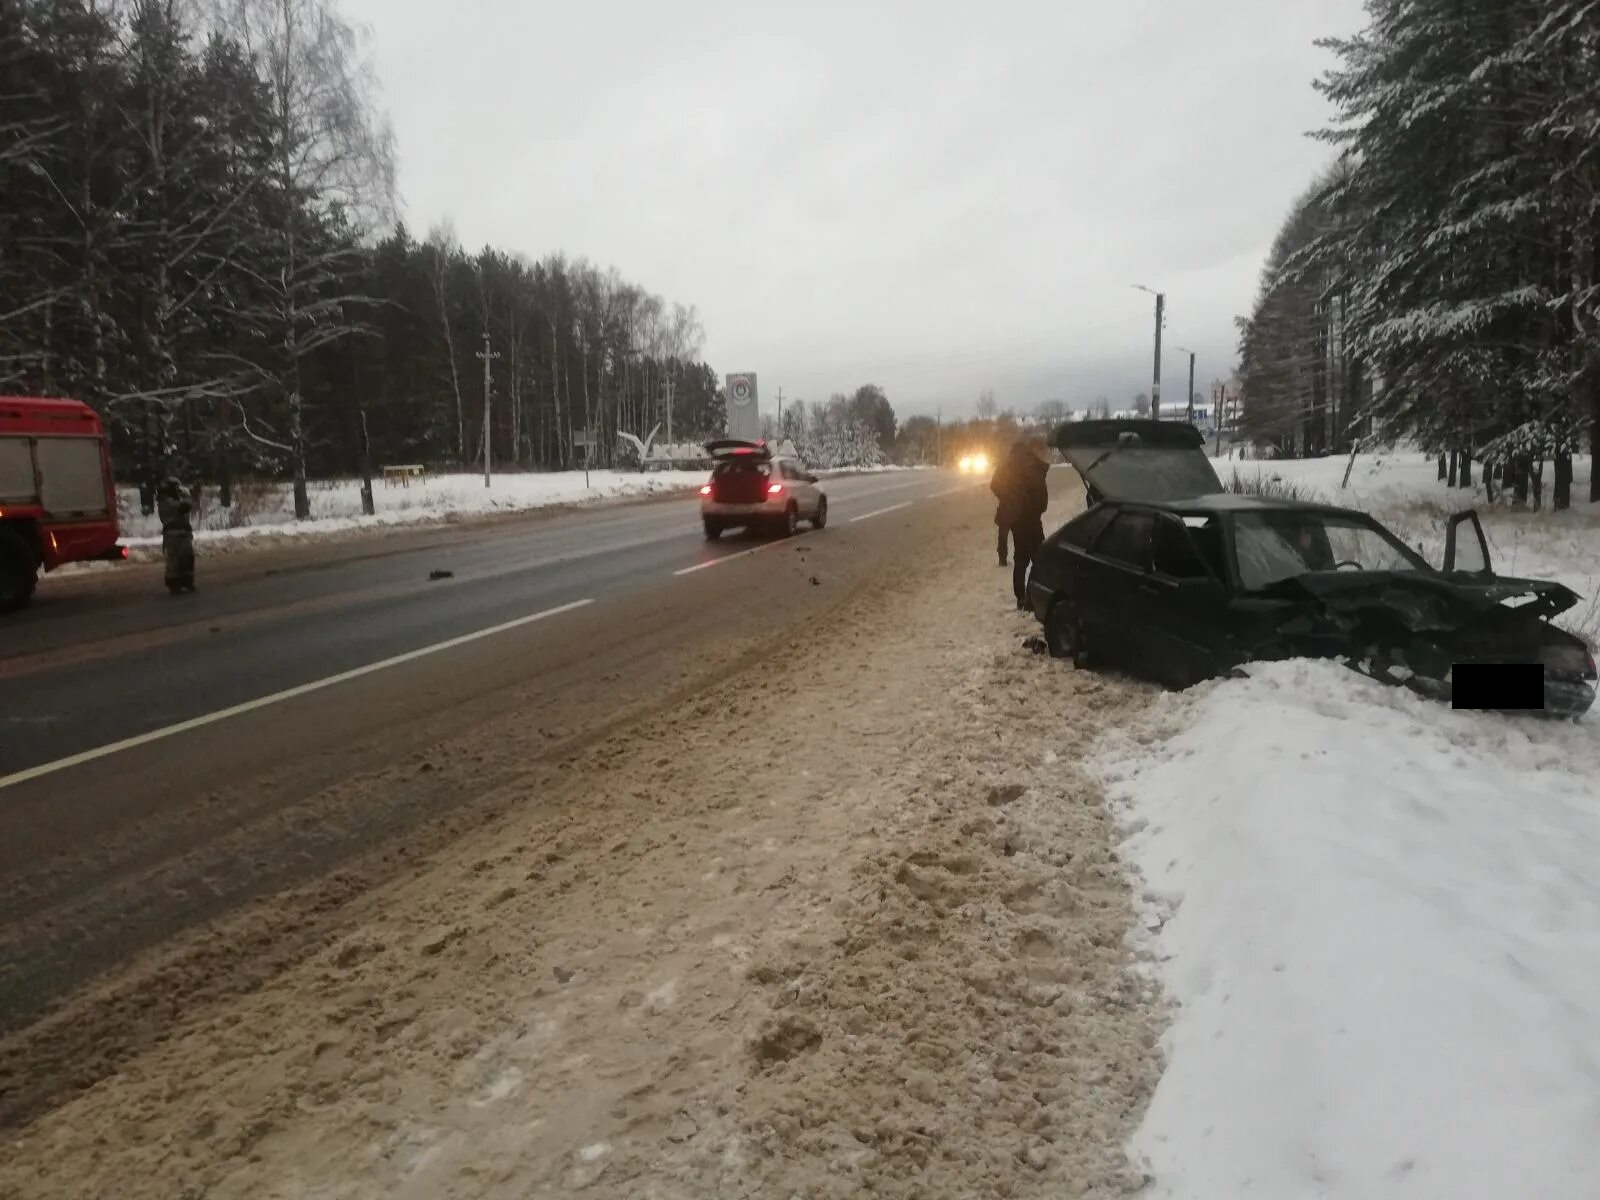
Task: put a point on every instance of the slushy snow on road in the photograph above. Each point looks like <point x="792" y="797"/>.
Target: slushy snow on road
<point x="1380" y="919"/>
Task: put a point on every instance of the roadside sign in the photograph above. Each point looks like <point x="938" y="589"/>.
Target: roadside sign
<point x="744" y="406"/>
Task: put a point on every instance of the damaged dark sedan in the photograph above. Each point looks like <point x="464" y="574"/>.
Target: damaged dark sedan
<point x="1170" y="577"/>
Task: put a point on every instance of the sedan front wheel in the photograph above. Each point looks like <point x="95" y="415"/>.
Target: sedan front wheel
<point x="1063" y="634"/>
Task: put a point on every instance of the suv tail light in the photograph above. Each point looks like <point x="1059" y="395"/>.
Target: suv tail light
<point x="705" y="489"/>
<point x="775" y="489"/>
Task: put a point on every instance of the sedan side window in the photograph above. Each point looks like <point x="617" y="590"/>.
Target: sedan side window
<point x="1128" y="540"/>
<point x="1082" y="531"/>
<point x="1172" y="554"/>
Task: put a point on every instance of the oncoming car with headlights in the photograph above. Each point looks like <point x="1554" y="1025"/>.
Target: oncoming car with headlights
<point x="753" y="488"/>
<point x="976" y="463"/>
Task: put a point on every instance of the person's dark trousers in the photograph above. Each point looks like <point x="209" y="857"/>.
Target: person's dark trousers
<point x="1001" y="533"/>
<point x="1026" y="540"/>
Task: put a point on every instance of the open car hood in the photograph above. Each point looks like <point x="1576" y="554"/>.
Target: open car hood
<point x="723" y="448"/>
<point x="1138" y="459"/>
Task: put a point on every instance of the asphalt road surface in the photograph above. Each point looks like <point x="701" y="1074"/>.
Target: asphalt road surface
<point x="319" y="717"/>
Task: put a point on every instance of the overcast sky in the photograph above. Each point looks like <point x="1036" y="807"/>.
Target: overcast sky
<point x="935" y="197"/>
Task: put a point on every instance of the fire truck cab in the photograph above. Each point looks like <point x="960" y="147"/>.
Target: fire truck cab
<point x="58" y="503"/>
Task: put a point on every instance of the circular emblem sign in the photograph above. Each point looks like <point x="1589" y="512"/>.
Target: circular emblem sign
<point x="742" y="390"/>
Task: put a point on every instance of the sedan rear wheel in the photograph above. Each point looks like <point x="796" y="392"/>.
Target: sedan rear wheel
<point x="821" y="519"/>
<point x="791" y="520"/>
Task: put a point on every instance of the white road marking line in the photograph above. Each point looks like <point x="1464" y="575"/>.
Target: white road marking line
<point x="316" y="685"/>
<point x="881" y="511"/>
<point x="878" y="491"/>
<point x="952" y="491"/>
<point x="711" y="562"/>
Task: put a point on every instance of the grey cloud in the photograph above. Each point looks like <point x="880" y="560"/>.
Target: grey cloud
<point x="938" y="197"/>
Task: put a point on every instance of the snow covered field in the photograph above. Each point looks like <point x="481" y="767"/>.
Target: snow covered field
<point x="268" y="510"/>
<point x="1380" y="918"/>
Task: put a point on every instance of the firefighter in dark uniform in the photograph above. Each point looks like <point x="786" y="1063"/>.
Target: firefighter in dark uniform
<point x="177" y="536"/>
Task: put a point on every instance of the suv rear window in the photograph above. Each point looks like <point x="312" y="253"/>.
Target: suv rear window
<point x="740" y="466"/>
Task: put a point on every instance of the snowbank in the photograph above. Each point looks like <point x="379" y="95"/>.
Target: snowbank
<point x="268" y="510"/>
<point x="1379" y="918"/>
<point x="1386" y="479"/>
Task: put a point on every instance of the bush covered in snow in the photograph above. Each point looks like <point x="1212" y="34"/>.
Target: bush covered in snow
<point x="828" y="437"/>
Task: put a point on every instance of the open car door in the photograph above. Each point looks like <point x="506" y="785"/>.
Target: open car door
<point x="1466" y="550"/>
<point x="1154" y="461"/>
<point x="1466" y="560"/>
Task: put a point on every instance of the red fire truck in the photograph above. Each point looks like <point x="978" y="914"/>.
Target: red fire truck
<point x="57" y="500"/>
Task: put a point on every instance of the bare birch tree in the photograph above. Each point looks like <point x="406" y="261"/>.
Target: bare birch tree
<point x="332" y="180"/>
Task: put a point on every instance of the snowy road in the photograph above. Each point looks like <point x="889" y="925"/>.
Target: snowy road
<point x="332" y="787"/>
<point x="838" y="914"/>
<point x="103" y="659"/>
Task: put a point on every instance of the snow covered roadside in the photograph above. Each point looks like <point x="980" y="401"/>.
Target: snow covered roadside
<point x="267" y="511"/>
<point x="264" y="513"/>
<point x="1379" y="918"/>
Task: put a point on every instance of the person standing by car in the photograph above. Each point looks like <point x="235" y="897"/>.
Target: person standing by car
<point x="1019" y="486"/>
<point x="177" y="536"/>
<point x="1002" y="530"/>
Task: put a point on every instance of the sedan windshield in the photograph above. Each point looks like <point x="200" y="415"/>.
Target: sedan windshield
<point x="1274" y="546"/>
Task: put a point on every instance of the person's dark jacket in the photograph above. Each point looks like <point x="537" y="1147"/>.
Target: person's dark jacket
<point x="1019" y="485"/>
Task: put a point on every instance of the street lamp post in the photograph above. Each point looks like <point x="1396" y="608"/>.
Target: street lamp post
<point x="1190" y="353"/>
<point x="488" y="357"/>
<point x="1155" y="386"/>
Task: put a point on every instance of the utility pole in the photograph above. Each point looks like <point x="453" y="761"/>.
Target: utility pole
<point x="938" y="436"/>
<point x="1216" y="418"/>
<point x="780" y="414"/>
<point x="488" y="356"/>
<point x="1190" y="392"/>
<point x="1190" y="405"/>
<point x="1155" y="387"/>
<point x="669" y="402"/>
<point x="1161" y="312"/>
<point x="368" y="508"/>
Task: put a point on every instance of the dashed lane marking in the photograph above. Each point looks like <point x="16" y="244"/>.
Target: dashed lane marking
<point x="878" y="512"/>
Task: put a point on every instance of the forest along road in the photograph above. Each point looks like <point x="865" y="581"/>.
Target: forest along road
<point x="116" y="836"/>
